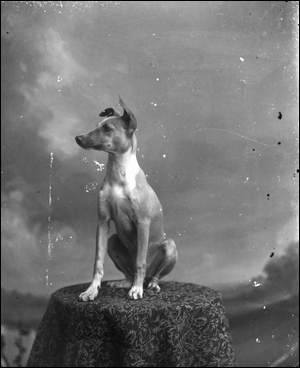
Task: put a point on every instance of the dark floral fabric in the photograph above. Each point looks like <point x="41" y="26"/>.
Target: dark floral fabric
<point x="183" y="325"/>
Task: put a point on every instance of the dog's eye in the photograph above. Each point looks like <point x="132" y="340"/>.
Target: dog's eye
<point x="106" y="128"/>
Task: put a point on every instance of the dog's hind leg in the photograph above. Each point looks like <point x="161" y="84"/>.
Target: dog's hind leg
<point x="163" y="263"/>
<point x="122" y="260"/>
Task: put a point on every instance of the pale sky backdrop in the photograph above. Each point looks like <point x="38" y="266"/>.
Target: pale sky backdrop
<point x="214" y="88"/>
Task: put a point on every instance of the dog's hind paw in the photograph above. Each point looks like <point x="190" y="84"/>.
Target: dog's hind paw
<point x="120" y="284"/>
<point x="153" y="286"/>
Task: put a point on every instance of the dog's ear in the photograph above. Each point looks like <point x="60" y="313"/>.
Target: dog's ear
<point x="109" y="112"/>
<point x="128" y="119"/>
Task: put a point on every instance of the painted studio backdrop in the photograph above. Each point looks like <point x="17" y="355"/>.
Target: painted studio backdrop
<point x="213" y="85"/>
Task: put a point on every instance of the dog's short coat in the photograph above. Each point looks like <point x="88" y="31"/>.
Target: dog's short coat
<point x="139" y="248"/>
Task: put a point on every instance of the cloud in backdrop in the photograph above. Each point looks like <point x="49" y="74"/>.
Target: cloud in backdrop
<point x="213" y="86"/>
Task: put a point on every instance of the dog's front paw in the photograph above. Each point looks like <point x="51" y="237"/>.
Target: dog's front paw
<point x="90" y="294"/>
<point x="136" y="292"/>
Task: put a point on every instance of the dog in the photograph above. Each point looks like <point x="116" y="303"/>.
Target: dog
<point x="139" y="249"/>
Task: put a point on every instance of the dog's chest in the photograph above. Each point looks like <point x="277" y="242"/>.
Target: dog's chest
<point x="121" y="206"/>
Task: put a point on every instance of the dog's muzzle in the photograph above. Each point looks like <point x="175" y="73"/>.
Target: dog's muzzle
<point x="79" y="140"/>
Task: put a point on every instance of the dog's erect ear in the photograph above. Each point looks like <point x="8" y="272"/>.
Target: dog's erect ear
<point x="109" y="112"/>
<point x="129" y="120"/>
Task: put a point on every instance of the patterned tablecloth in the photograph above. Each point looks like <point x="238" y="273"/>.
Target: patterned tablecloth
<point x="184" y="325"/>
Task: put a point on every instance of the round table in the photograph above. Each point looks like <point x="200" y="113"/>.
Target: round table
<point x="183" y="325"/>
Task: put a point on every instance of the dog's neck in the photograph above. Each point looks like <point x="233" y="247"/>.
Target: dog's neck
<point x="122" y="167"/>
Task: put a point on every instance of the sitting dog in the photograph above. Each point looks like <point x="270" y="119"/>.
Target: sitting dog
<point x="139" y="249"/>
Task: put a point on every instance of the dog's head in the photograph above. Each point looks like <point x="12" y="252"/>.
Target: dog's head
<point x="113" y="134"/>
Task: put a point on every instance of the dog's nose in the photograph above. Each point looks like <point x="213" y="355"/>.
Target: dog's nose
<point x="78" y="139"/>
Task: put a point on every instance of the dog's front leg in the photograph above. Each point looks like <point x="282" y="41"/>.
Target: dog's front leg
<point x="101" y="246"/>
<point x="136" y="291"/>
